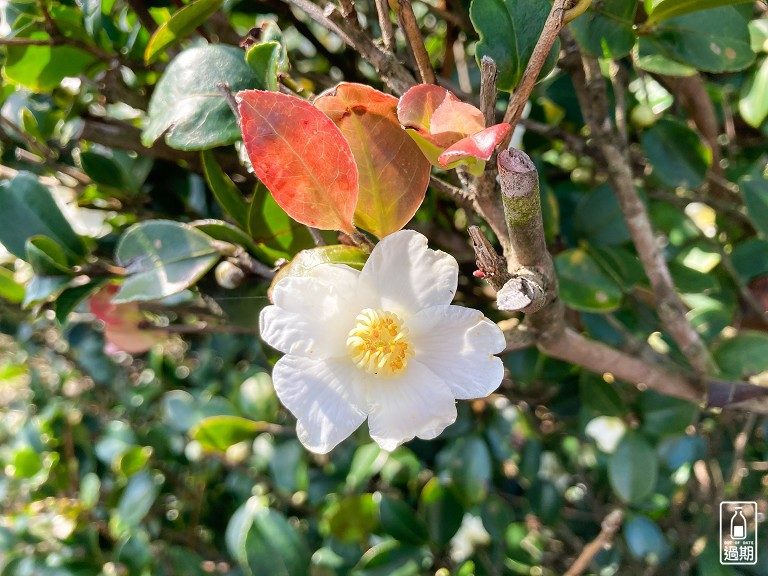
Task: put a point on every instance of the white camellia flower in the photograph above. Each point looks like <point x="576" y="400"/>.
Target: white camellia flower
<point x="382" y="343"/>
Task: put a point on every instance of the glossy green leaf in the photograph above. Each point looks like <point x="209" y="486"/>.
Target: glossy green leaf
<point x="662" y="415"/>
<point x="9" y="289"/>
<point x="186" y="105"/>
<point x="46" y="257"/>
<point x="654" y="57"/>
<point x="400" y="521"/>
<point x="42" y="68"/>
<point x="350" y="518"/>
<point x="599" y="218"/>
<point x="367" y="461"/>
<point x="276" y="233"/>
<point x="714" y="40"/>
<point x="666" y="9"/>
<point x="226" y="232"/>
<point x="71" y="298"/>
<point x="224" y="189"/>
<point x="606" y="28"/>
<point x="633" y="468"/>
<point x="264" y="60"/>
<point x="137" y="499"/>
<point x="750" y="258"/>
<point x="390" y="558"/>
<point x="44" y="288"/>
<point x="306" y="260"/>
<point x="583" y="285"/>
<point x="755" y="193"/>
<point x="117" y="169"/>
<point x="392" y="175"/>
<point x="217" y="433"/>
<point x="162" y="258"/>
<point x="677" y="154"/>
<point x="753" y="104"/>
<point x="743" y="355"/>
<point x="179" y="26"/>
<point x="758" y="35"/>
<point x="441" y="510"/>
<point x="467" y="462"/>
<point x="508" y="32"/>
<point x="258" y="536"/>
<point x="602" y="398"/>
<point x="645" y="540"/>
<point x="28" y="210"/>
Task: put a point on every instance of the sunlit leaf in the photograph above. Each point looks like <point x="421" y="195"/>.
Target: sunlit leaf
<point x="665" y="9"/>
<point x="302" y="157"/>
<point x="393" y="176"/>
<point x="180" y="25"/>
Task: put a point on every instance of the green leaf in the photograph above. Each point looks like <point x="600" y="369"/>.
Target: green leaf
<point x="367" y="461"/>
<point x="350" y="519"/>
<point x="71" y="298"/>
<point x="258" y="536"/>
<point x="181" y="23"/>
<point x="44" y="288"/>
<point x="137" y="499"/>
<point x="666" y="9"/>
<point x="755" y="193"/>
<point x="653" y="57"/>
<point x="224" y="189"/>
<point x="662" y="415"/>
<point x="441" y="510"/>
<point x="306" y="260"/>
<point x="46" y="257"/>
<point x="264" y="60"/>
<point x="42" y="68"/>
<point x="633" y="468"/>
<point x="188" y="107"/>
<point x="226" y="232"/>
<point x="743" y="355"/>
<point x="390" y="558"/>
<point x="400" y="521"/>
<point x="753" y="104"/>
<point x="713" y="40"/>
<point x="288" y="467"/>
<point x="467" y="462"/>
<point x="677" y="154"/>
<point x="645" y="540"/>
<point x="116" y="169"/>
<point x="750" y="258"/>
<point x="599" y="217"/>
<point x="217" y="433"/>
<point x="9" y="289"/>
<point x="162" y="258"/>
<point x="279" y="235"/>
<point x="583" y="285"/>
<point x="601" y="397"/>
<point x="606" y="29"/>
<point x="508" y="32"/>
<point x="29" y="210"/>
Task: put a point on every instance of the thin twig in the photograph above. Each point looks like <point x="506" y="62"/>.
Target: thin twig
<point x="226" y="91"/>
<point x="609" y="527"/>
<point x="488" y="75"/>
<point x="562" y="12"/>
<point x="385" y="23"/>
<point x="739" y="445"/>
<point x="415" y="42"/>
<point x="316" y="236"/>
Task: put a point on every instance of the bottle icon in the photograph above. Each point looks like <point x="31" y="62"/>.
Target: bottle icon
<point x="738" y="525"/>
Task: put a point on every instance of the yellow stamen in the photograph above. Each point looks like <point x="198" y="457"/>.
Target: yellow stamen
<point x="379" y="343"/>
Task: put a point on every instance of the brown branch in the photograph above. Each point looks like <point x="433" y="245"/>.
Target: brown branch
<point x="143" y="14"/>
<point x="493" y="268"/>
<point x="488" y="76"/>
<point x="415" y="42"/>
<point x="609" y="527"/>
<point x="590" y="89"/>
<point x="561" y="13"/>
<point x="387" y="30"/>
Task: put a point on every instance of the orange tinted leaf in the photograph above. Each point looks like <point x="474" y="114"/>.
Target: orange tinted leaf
<point x="417" y="105"/>
<point x="301" y="157"/>
<point x="479" y="145"/>
<point x="393" y="175"/>
<point x="455" y="116"/>
<point x="122" y="323"/>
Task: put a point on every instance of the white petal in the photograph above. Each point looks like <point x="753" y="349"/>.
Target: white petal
<point x="408" y="275"/>
<point x="418" y="403"/>
<point x="325" y="396"/>
<point x="313" y="314"/>
<point x="458" y="344"/>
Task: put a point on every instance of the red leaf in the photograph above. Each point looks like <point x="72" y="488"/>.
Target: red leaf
<point x="393" y="174"/>
<point x="480" y="145"/>
<point x="122" y="323"/>
<point x="455" y="116"/>
<point x="417" y="105"/>
<point x="301" y="157"/>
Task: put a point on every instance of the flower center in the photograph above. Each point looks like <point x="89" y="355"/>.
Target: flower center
<point x="379" y="343"/>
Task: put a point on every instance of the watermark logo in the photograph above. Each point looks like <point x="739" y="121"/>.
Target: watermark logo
<point x="738" y="533"/>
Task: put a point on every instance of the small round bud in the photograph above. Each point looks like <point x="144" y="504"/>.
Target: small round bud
<point x="642" y="116"/>
<point x="228" y="275"/>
